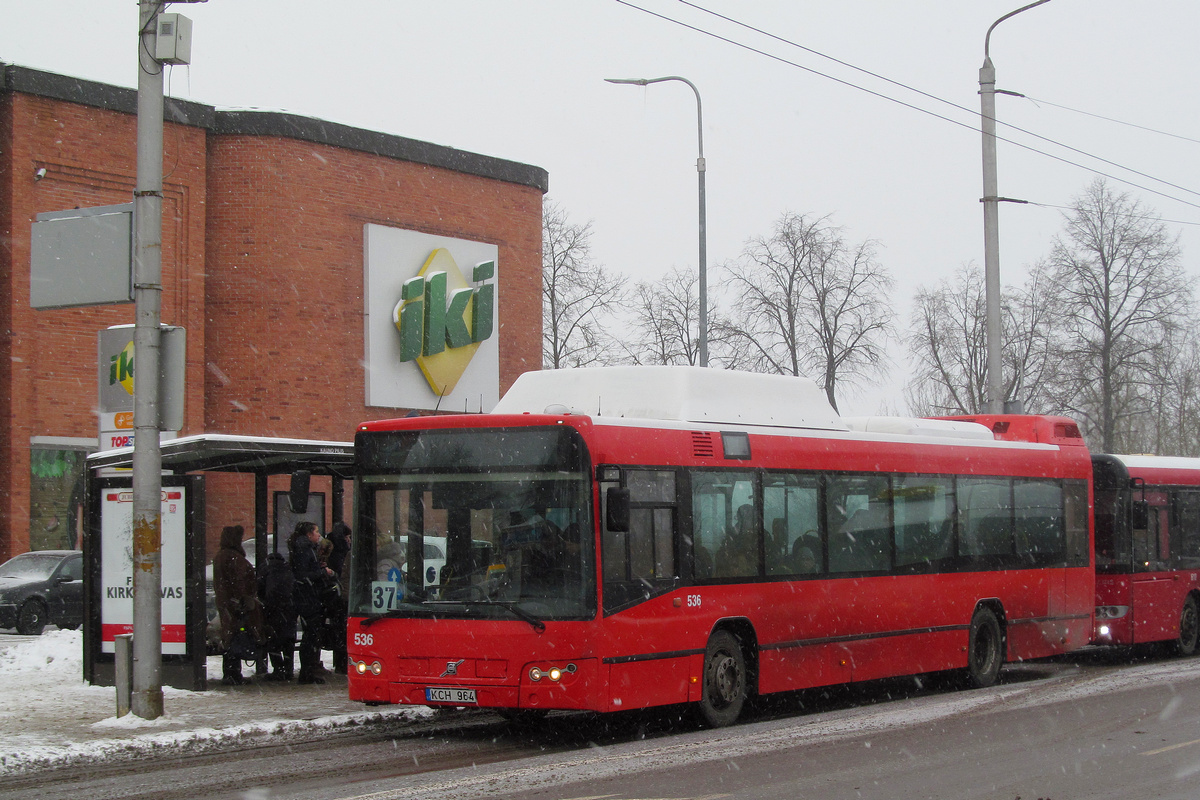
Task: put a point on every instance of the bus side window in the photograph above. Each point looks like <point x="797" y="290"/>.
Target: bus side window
<point x="859" y="509"/>
<point x="793" y="540"/>
<point x="1038" y="508"/>
<point x="1075" y="518"/>
<point x="1151" y="544"/>
<point x="726" y="525"/>
<point x="924" y="510"/>
<point x="985" y="517"/>
<point x="1185" y="542"/>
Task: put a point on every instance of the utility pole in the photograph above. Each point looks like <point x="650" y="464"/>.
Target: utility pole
<point x="991" y="221"/>
<point x="147" y="698"/>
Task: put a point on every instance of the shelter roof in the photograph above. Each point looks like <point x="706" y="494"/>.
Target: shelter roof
<point x="231" y="453"/>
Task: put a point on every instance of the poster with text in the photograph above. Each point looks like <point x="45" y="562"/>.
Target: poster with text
<point x="116" y="568"/>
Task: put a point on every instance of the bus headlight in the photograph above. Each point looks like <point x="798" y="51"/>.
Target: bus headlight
<point x="1111" y="612"/>
<point x="553" y="673"/>
<point x="362" y="667"/>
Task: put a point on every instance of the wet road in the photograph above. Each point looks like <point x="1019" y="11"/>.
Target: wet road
<point x="1085" y="727"/>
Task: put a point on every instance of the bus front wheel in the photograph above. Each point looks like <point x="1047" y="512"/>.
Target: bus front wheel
<point x="985" y="649"/>
<point x="1189" y="628"/>
<point x="724" y="689"/>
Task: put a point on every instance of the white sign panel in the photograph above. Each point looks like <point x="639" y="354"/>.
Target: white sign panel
<point x="432" y="321"/>
<point x="116" y="568"/>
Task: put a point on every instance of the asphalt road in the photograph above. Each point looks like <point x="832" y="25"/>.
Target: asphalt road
<point x="1089" y="726"/>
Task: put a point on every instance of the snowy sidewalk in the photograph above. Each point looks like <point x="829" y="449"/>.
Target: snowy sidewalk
<point x="49" y="717"/>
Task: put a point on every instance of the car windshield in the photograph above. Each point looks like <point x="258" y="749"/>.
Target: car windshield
<point x="29" y="566"/>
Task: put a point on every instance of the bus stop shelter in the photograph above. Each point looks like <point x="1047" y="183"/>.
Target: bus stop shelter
<point x="185" y="461"/>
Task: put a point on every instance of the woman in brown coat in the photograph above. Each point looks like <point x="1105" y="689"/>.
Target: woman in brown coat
<point x="237" y="600"/>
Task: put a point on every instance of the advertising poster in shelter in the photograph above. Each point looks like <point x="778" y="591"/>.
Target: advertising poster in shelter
<point x="116" y="568"/>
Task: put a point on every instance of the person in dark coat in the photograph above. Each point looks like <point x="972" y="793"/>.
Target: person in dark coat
<point x="336" y="608"/>
<point x="236" y="599"/>
<point x="311" y="580"/>
<point x="278" y="584"/>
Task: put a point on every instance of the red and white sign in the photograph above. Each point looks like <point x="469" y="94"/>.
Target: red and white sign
<point x="116" y="568"/>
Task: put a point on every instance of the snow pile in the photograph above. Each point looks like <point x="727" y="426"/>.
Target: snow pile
<point x="50" y="717"/>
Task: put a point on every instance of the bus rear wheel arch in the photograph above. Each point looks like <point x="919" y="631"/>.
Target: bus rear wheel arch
<point x="724" y="682"/>
<point x="1188" y="641"/>
<point x="985" y="648"/>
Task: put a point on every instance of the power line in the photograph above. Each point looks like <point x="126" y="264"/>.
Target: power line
<point x="950" y="103"/>
<point x="1131" y="216"/>
<point x="1037" y="101"/>
<point x="897" y="101"/>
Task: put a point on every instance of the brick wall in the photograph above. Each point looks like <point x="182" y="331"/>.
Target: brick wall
<point x="262" y="263"/>
<point x="89" y="158"/>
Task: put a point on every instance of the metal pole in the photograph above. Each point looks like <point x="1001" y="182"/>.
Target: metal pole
<point x="991" y="221"/>
<point x="147" y="699"/>
<point x="700" y="170"/>
<point x="991" y="238"/>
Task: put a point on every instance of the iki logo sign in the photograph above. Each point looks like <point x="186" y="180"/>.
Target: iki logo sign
<point x="120" y="369"/>
<point x="442" y="319"/>
<point x="433" y="321"/>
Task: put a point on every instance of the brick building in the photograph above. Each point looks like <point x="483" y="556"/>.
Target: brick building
<point x="263" y="263"/>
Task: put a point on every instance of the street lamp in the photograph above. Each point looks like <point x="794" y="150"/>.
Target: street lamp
<point x="991" y="219"/>
<point x="700" y="172"/>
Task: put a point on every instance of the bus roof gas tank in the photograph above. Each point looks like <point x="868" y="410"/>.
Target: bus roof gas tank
<point x="682" y="394"/>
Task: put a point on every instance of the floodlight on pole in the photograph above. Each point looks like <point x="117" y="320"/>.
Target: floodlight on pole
<point x="991" y="220"/>
<point x="700" y="169"/>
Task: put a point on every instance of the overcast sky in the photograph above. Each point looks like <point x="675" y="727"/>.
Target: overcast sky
<point x="523" y="80"/>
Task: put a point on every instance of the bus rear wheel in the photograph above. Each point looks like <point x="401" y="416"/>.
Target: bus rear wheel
<point x="985" y="649"/>
<point x="1189" y="628"/>
<point x="723" y="692"/>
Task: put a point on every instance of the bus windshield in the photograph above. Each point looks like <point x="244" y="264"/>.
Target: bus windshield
<point x="500" y="531"/>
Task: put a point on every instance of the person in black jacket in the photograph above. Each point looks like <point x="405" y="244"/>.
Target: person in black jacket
<point x="336" y="608"/>
<point x="277" y="586"/>
<point x="311" y="579"/>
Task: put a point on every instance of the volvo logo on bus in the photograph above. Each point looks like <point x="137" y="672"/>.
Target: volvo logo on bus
<point x="452" y="667"/>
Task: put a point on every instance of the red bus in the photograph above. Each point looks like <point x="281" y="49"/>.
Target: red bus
<point x="1147" y="550"/>
<point x="629" y="537"/>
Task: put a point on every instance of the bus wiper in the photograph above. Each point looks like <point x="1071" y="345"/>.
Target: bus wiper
<point x="512" y="607"/>
<point x="373" y="618"/>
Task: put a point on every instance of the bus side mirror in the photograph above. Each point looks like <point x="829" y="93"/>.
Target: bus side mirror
<point x="298" y="491"/>
<point x="616" y="509"/>
<point x="1139" y="515"/>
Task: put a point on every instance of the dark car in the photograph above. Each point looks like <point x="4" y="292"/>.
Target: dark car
<point x="42" y="588"/>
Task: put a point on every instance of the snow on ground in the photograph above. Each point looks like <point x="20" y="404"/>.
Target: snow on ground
<point x="50" y="717"/>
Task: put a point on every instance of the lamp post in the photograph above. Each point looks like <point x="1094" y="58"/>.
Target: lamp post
<point x="991" y="220"/>
<point x="700" y="172"/>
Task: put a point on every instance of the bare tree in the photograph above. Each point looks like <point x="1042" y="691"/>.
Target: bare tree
<point x="948" y="340"/>
<point x="577" y="294"/>
<point x="1121" y="291"/>
<point x="667" y="320"/>
<point x="1169" y="423"/>
<point x="666" y="324"/>
<point x="809" y="302"/>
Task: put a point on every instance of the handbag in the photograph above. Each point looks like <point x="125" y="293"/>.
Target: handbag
<point x="243" y="646"/>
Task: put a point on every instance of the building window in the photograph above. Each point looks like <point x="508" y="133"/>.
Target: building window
<point x="56" y="485"/>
